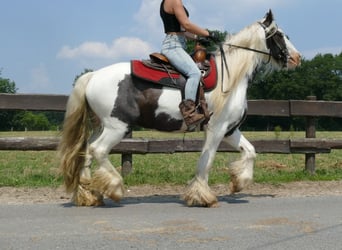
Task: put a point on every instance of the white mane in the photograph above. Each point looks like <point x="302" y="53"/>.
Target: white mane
<point x="241" y="63"/>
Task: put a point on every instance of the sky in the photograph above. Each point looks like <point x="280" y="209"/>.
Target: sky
<point x="45" y="44"/>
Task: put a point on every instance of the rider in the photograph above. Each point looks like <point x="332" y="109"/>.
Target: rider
<point x="177" y="25"/>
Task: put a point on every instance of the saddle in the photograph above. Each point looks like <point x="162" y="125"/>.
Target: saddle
<point x="158" y="70"/>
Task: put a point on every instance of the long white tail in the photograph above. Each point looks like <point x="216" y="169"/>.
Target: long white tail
<point x="75" y="133"/>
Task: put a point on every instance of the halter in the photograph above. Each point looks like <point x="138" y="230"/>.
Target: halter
<point x="270" y="32"/>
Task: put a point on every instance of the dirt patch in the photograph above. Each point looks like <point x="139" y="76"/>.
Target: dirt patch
<point x="10" y="195"/>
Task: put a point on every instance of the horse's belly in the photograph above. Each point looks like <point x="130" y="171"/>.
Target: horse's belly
<point x="165" y="116"/>
<point x="168" y="103"/>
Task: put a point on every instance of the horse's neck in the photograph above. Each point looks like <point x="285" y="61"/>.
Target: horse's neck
<point x="241" y="64"/>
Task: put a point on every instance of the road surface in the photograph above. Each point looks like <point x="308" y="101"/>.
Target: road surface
<point x="163" y="222"/>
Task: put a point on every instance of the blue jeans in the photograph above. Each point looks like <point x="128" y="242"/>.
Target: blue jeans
<point x="173" y="48"/>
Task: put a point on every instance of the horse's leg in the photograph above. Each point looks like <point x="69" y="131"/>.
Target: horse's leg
<point x="241" y="171"/>
<point x="198" y="192"/>
<point x="83" y="195"/>
<point x="106" y="179"/>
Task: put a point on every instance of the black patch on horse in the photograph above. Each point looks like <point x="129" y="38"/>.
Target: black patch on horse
<point x="137" y="102"/>
<point x="125" y="107"/>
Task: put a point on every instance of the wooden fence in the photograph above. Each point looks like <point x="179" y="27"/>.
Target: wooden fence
<point x="310" y="146"/>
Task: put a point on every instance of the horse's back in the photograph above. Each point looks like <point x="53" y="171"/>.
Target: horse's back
<point x="109" y="77"/>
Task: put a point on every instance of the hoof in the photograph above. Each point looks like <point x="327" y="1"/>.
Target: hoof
<point x="115" y="190"/>
<point x="198" y="193"/>
<point x="237" y="183"/>
<point x="107" y="184"/>
<point x="85" y="197"/>
<point x="240" y="176"/>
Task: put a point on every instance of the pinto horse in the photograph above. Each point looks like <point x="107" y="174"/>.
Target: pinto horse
<point x="106" y="103"/>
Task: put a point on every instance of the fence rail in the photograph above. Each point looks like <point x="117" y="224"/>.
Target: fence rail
<point x="279" y="108"/>
<point x="149" y="146"/>
<point x="311" y="109"/>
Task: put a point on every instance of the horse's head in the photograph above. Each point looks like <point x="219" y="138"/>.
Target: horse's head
<point x="281" y="50"/>
<point x="261" y="43"/>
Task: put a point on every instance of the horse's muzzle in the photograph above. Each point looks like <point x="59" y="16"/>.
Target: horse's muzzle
<point x="294" y="60"/>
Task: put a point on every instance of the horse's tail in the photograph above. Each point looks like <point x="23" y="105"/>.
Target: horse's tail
<point x="75" y="133"/>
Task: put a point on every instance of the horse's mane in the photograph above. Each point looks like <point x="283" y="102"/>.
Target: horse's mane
<point x="241" y="63"/>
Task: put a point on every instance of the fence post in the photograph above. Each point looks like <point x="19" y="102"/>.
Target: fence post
<point x="126" y="160"/>
<point x="310" y="158"/>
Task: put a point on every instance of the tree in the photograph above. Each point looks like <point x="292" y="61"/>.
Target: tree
<point x="7" y="86"/>
<point x="86" y="70"/>
<point x="321" y="77"/>
<point x="20" y="120"/>
<point x="55" y="119"/>
<point x="31" y="121"/>
<point x="6" y="117"/>
<point x="210" y="45"/>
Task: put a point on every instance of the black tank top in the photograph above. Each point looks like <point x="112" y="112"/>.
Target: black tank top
<point x="170" y="21"/>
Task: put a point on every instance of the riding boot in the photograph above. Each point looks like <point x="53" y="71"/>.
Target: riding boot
<point x="203" y="104"/>
<point x="190" y="114"/>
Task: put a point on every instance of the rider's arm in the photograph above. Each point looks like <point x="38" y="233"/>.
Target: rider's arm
<point x="190" y="36"/>
<point x="184" y="21"/>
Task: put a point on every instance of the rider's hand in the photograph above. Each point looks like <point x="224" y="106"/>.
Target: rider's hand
<point x="213" y="36"/>
<point x="204" y="41"/>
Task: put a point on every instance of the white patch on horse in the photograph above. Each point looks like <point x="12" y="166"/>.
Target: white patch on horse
<point x="168" y="103"/>
<point x="108" y="77"/>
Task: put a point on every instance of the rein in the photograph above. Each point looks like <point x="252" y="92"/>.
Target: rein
<point x="250" y="49"/>
<point x="224" y="59"/>
<point x="270" y="32"/>
<point x="253" y="50"/>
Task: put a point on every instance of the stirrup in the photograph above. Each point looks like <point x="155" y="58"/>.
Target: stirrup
<point x="192" y="127"/>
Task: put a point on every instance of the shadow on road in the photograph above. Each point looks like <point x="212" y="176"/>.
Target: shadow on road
<point x="238" y="198"/>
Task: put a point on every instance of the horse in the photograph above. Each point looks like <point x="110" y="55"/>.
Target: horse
<point x="105" y="104"/>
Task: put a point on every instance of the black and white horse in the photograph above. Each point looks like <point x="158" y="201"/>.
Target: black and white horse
<point x="116" y="101"/>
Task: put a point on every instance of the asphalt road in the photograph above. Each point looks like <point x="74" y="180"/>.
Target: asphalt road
<point x="241" y="222"/>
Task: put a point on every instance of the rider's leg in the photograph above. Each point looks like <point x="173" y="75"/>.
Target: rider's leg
<point x="173" y="48"/>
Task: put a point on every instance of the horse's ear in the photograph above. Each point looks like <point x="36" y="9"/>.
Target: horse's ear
<point x="268" y="18"/>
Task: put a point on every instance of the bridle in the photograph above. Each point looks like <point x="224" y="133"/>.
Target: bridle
<point x="274" y="38"/>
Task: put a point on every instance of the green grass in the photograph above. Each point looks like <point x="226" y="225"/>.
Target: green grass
<point x="29" y="168"/>
<point x="286" y="168"/>
<point x="37" y="169"/>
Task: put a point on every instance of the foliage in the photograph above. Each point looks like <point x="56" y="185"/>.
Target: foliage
<point x="31" y="121"/>
<point x="86" y="70"/>
<point x="7" y="86"/>
<point x="55" y="119"/>
<point x="21" y="120"/>
<point x="277" y="130"/>
<point x="320" y="77"/>
<point x="6" y="117"/>
<point x="209" y="45"/>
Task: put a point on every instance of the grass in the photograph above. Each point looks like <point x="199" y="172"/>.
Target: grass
<point x="29" y="168"/>
<point x="38" y="169"/>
